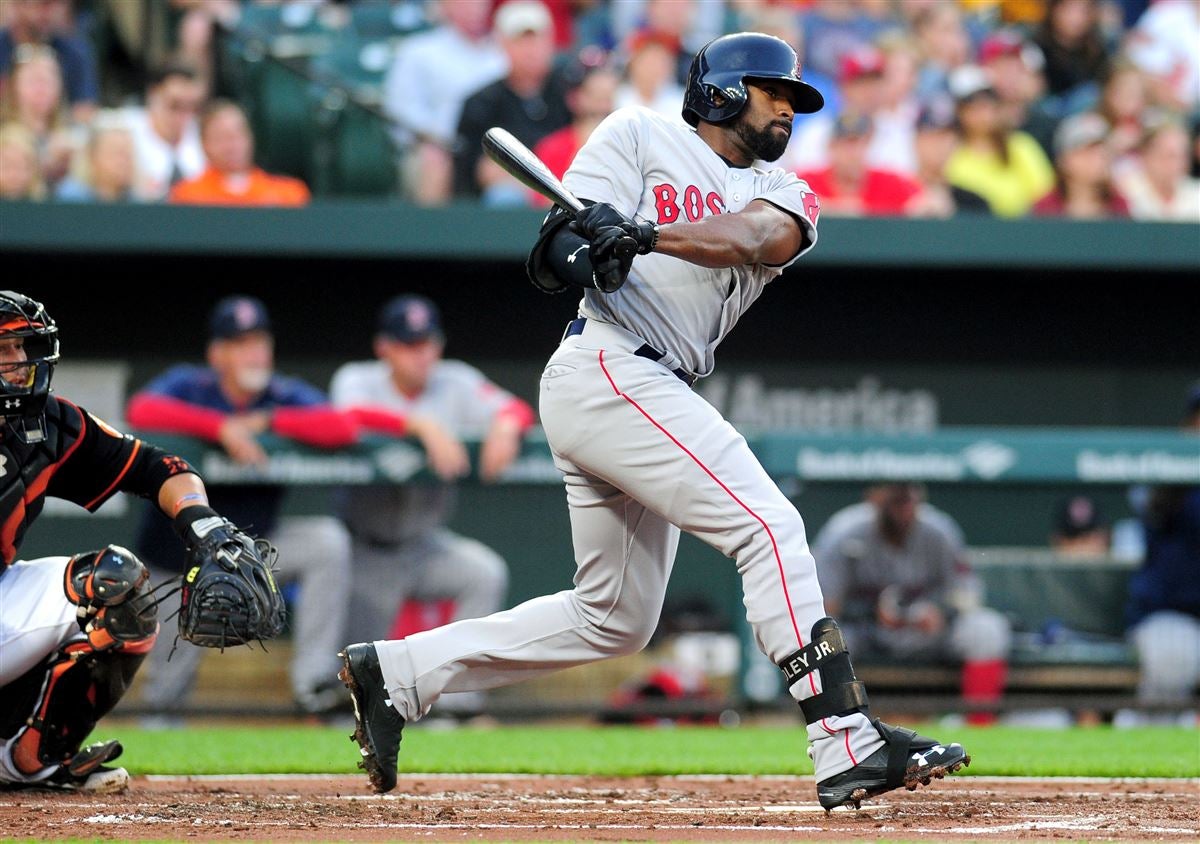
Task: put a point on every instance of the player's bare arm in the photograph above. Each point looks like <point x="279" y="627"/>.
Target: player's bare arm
<point x="761" y="234"/>
<point x="181" y="491"/>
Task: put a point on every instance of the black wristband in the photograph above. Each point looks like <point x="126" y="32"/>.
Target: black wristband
<point x="188" y="515"/>
<point x="647" y="248"/>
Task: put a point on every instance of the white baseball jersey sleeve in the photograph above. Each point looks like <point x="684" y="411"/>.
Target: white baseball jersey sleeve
<point x="458" y="396"/>
<point x="654" y="168"/>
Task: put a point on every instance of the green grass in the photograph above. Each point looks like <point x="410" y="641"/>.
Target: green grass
<point x="622" y="751"/>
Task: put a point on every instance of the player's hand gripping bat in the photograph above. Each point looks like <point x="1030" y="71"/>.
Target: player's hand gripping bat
<point x="520" y="162"/>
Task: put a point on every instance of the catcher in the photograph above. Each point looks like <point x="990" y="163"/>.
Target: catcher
<point x="73" y="630"/>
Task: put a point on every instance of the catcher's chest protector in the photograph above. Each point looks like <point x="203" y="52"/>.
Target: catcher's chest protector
<point x="21" y="466"/>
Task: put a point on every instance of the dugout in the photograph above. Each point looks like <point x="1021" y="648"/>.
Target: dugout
<point x="906" y="326"/>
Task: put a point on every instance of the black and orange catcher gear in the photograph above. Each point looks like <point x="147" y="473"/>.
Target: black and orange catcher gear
<point x="53" y="707"/>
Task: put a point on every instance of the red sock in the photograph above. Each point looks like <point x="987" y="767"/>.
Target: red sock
<point x="983" y="682"/>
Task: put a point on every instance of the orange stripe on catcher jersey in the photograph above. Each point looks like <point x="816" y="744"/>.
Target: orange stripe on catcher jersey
<point x="137" y="446"/>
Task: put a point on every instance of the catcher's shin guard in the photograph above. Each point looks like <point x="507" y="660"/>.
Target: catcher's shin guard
<point x="905" y="759"/>
<point x="51" y="709"/>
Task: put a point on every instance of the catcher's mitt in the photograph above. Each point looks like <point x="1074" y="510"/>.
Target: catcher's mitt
<point x="229" y="596"/>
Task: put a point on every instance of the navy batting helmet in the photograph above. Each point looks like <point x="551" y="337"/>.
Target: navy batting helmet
<point x="716" y="84"/>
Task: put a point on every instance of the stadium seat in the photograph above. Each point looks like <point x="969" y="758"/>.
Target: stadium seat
<point x="356" y="63"/>
<point x="288" y="30"/>
<point x="279" y="105"/>
<point x="375" y="19"/>
<point x="361" y="156"/>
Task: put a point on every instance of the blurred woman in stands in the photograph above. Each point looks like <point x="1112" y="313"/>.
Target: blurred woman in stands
<point x="35" y="100"/>
<point x="231" y="177"/>
<point x="1083" y="161"/>
<point x="1073" y="43"/>
<point x="1005" y="167"/>
<point x="104" y="170"/>
<point x="1158" y="186"/>
<point x="20" y="178"/>
<point x="1123" y="103"/>
<point x="945" y="46"/>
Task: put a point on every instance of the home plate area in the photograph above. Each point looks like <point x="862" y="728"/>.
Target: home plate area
<point x="579" y="808"/>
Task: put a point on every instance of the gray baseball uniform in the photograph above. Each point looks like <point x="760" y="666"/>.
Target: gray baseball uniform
<point x="643" y="456"/>
<point x="402" y="548"/>
<point x="857" y="565"/>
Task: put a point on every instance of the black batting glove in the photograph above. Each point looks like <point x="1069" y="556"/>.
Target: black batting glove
<point x="590" y="220"/>
<point x="610" y="265"/>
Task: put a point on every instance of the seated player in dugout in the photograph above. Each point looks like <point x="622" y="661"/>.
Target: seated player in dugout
<point x="73" y="629"/>
<point x="899" y="579"/>
<point x="643" y="455"/>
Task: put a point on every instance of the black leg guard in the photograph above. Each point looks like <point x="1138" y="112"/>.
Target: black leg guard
<point x="61" y="701"/>
<point x="841" y="692"/>
<point x="906" y="759"/>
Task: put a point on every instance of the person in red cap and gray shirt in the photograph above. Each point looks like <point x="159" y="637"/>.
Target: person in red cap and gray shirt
<point x="402" y="547"/>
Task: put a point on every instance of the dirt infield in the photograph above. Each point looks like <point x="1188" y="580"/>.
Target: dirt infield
<point x="524" y="808"/>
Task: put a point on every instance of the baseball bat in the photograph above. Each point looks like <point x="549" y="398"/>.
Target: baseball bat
<point x="520" y="162"/>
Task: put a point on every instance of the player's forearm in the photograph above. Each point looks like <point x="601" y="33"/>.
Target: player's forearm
<point x="730" y="240"/>
<point x="179" y="492"/>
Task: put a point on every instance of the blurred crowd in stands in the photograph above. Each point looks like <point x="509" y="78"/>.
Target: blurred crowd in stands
<point x="1076" y="108"/>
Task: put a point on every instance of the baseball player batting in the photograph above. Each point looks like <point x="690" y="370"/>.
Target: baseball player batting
<point x="643" y="456"/>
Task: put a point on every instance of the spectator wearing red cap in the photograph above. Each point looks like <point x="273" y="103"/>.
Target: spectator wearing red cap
<point x="833" y="28"/>
<point x="651" y="58"/>
<point x="1014" y="68"/>
<point x="1083" y="162"/>
<point x="860" y="81"/>
<point x="849" y="186"/>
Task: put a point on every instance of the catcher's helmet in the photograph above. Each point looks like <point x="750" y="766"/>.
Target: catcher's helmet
<point x="23" y="396"/>
<point x="724" y="64"/>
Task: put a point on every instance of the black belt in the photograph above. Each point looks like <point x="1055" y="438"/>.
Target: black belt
<point x="647" y="351"/>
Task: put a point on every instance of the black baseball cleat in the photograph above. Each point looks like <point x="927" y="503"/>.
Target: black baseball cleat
<point x="377" y="724"/>
<point x="906" y="759"/>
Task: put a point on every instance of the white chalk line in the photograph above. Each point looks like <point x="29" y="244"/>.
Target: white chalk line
<point x="800" y="778"/>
